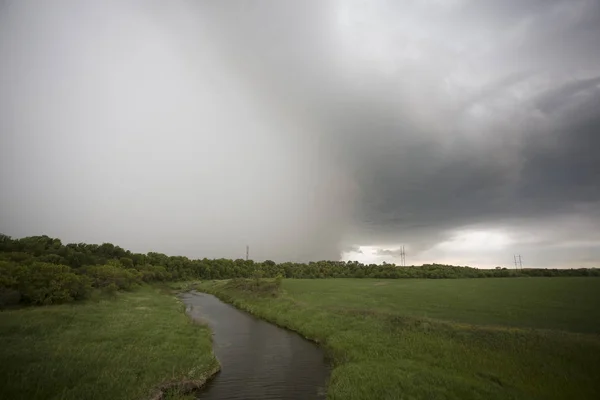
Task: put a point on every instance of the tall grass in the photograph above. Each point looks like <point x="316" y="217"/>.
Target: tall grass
<point x="270" y="287"/>
<point x="126" y="347"/>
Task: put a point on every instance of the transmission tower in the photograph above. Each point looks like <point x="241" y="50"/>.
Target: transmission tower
<point x="518" y="261"/>
<point x="403" y="257"/>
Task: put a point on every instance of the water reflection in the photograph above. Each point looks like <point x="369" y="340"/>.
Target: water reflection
<point x="258" y="359"/>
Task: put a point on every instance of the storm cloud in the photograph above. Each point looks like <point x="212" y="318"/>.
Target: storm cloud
<point x="466" y="131"/>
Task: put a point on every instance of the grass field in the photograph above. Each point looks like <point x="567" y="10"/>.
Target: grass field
<point x="445" y="339"/>
<point x="571" y="304"/>
<point x="121" y="348"/>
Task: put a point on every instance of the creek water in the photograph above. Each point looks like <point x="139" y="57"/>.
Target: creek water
<point x="258" y="360"/>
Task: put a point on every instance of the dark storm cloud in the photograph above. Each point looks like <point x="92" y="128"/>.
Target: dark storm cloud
<point x="388" y="123"/>
<point x="516" y="143"/>
<point x="551" y="171"/>
<point x="520" y="164"/>
<point x="565" y="172"/>
<point x="578" y="91"/>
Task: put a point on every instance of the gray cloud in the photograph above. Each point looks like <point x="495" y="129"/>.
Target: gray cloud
<point x="305" y="129"/>
<point x="352" y="249"/>
<point x="389" y="252"/>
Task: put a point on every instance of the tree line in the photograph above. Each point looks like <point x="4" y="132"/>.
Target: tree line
<point x="43" y="270"/>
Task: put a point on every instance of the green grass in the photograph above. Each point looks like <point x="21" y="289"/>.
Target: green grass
<point x="445" y="339"/>
<point x="120" y="348"/>
<point x="571" y="304"/>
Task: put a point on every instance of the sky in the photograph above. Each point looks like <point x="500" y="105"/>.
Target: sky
<point x="467" y="131"/>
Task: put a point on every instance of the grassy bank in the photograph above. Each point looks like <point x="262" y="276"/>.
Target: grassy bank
<point x="437" y="339"/>
<point x="125" y="347"/>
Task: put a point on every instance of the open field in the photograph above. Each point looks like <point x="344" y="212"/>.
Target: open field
<point x="571" y="304"/>
<point x="444" y="339"/>
<point x="121" y="348"/>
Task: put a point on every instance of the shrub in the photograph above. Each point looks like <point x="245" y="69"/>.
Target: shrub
<point x="8" y="274"/>
<point x="105" y="275"/>
<point x="9" y="297"/>
<point x="43" y="283"/>
<point x="278" y="280"/>
<point x="151" y="273"/>
<point x="258" y="286"/>
<point x="18" y="257"/>
<point x="111" y="288"/>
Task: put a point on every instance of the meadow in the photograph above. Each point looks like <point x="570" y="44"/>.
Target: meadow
<point x="570" y="304"/>
<point x="516" y="338"/>
<point x="127" y="346"/>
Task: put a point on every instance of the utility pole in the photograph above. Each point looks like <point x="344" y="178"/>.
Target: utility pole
<point x="247" y="252"/>
<point x="520" y="263"/>
<point x="515" y="257"/>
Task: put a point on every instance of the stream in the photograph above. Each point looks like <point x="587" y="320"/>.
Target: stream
<point x="258" y="360"/>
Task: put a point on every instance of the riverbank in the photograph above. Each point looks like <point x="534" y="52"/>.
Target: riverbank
<point x="382" y="347"/>
<point x="135" y="345"/>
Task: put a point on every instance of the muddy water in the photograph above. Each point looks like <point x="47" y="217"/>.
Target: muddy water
<point x="258" y="360"/>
